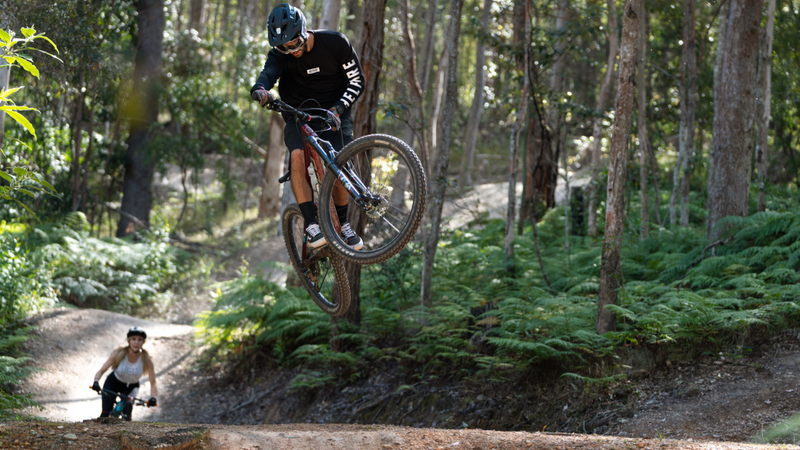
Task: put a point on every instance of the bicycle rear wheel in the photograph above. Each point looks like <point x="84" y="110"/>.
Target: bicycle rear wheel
<point x="396" y="188"/>
<point x="319" y="271"/>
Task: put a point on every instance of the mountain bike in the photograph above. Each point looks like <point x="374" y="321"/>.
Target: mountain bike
<point x="383" y="177"/>
<point x="321" y="270"/>
<point x="123" y="404"/>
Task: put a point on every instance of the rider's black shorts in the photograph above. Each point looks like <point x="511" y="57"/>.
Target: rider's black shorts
<point x="293" y="136"/>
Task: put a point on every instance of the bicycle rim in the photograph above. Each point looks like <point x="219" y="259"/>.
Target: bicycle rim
<point x="322" y="276"/>
<point x="392" y="174"/>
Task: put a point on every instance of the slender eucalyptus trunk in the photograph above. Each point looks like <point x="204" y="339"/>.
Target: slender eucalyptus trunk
<point x="729" y="183"/>
<point x="641" y="91"/>
<point x="439" y="181"/>
<point x="610" y="267"/>
<point x="269" y="203"/>
<point x="197" y="13"/>
<point x="763" y="107"/>
<point x="471" y="137"/>
<point x="417" y="110"/>
<point x="722" y="42"/>
<point x="331" y="12"/>
<point x="516" y="130"/>
<point x="364" y="123"/>
<point x="438" y="99"/>
<point x="87" y="158"/>
<point x="77" y="137"/>
<point x="554" y="117"/>
<point x="597" y="127"/>
<point x="689" y="80"/>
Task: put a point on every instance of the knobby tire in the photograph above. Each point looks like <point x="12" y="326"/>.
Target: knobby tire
<point x="416" y="186"/>
<point x="332" y="261"/>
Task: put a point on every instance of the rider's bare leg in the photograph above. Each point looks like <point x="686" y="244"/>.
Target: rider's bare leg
<point x="340" y="195"/>
<point x="300" y="187"/>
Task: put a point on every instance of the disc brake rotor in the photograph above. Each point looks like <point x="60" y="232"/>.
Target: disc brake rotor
<point x="379" y="204"/>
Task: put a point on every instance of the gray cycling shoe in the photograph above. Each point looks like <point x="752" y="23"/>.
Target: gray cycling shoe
<point x="351" y="238"/>
<point x="314" y="237"/>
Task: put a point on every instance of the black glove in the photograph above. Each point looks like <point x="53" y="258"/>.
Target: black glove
<point x="152" y="402"/>
<point x="263" y="97"/>
<point x="96" y="386"/>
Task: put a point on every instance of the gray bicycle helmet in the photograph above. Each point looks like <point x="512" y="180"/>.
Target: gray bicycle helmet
<point x="286" y="23"/>
<point x="136" y="331"/>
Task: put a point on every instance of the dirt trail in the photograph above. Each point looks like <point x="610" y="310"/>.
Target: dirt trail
<point x="738" y="396"/>
<point x="71" y="345"/>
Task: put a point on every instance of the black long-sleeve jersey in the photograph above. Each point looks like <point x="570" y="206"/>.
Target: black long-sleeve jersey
<point x="330" y="73"/>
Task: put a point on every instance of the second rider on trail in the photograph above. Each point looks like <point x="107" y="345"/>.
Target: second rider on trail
<point x="318" y="66"/>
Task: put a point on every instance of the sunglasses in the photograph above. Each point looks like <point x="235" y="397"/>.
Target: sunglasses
<point x="291" y="46"/>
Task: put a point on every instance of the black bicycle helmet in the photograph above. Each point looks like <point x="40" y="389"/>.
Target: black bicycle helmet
<point x="286" y="23"/>
<point x="136" y="331"/>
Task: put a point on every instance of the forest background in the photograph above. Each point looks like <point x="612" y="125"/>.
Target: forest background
<point x="684" y="240"/>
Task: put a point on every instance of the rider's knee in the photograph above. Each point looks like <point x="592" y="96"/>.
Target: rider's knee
<point x="297" y="158"/>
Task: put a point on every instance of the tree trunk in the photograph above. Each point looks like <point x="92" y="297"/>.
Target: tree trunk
<point x="521" y="28"/>
<point x="468" y="163"/>
<point x="364" y="123"/>
<point x="331" y="11"/>
<point x="541" y="166"/>
<point x="353" y="25"/>
<point x="226" y="13"/>
<point x="87" y="158"/>
<point x="439" y="181"/>
<point x="269" y="204"/>
<point x="610" y="273"/>
<point x="438" y="99"/>
<point x="77" y="137"/>
<point x="137" y="195"/>
<point x="426" y="52"/>
<point x="644" y="143"/>
<point x="597" y="128"/>
<point x="197" y="13"/>
<point x="512" y="176"/>
<point x="417" y="110"/>
<point x="763" y="105"/>
<point x="557" y="85"/>
<point x="729" y="183"/>
<point x="689" y="81"/>
<point x="722" y="42"/>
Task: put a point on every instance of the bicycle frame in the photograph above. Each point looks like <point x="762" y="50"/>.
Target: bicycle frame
<point x="311" y="144"/>
<point x="314" y="156"/>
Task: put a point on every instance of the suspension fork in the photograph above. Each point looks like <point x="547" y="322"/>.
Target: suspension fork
<point x="312" y="141"/>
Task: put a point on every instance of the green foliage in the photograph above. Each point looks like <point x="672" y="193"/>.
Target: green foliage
<point x="491" y="320"/>
<point x="14" y="53"/>
<point x="105" y="273"/>
<point x="13" y="369"/>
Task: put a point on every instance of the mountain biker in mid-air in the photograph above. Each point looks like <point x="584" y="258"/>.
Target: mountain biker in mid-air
<point x="316" y="65"/>
<point x="129" y="364"/>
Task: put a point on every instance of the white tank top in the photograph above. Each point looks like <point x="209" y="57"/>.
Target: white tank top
<point x="129" y="372"/>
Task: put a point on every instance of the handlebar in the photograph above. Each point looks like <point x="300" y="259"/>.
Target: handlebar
<point x="301" y="115"/>
<point x="134" y="400"/>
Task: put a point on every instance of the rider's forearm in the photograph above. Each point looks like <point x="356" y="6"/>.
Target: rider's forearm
<point x="98" y="375"/>
<point x="268" y="77"/>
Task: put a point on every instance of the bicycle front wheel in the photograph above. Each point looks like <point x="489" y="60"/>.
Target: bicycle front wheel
<point x="319" y="271"/>
<point x="389" y="175"/>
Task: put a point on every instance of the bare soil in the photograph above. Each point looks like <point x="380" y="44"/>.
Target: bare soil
<point x="698" y="404"/>
<point x="140" y="435"/>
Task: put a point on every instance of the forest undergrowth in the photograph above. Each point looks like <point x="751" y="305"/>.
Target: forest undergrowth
<point x="59" y="263"/>
<point x="495" y="320"/>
